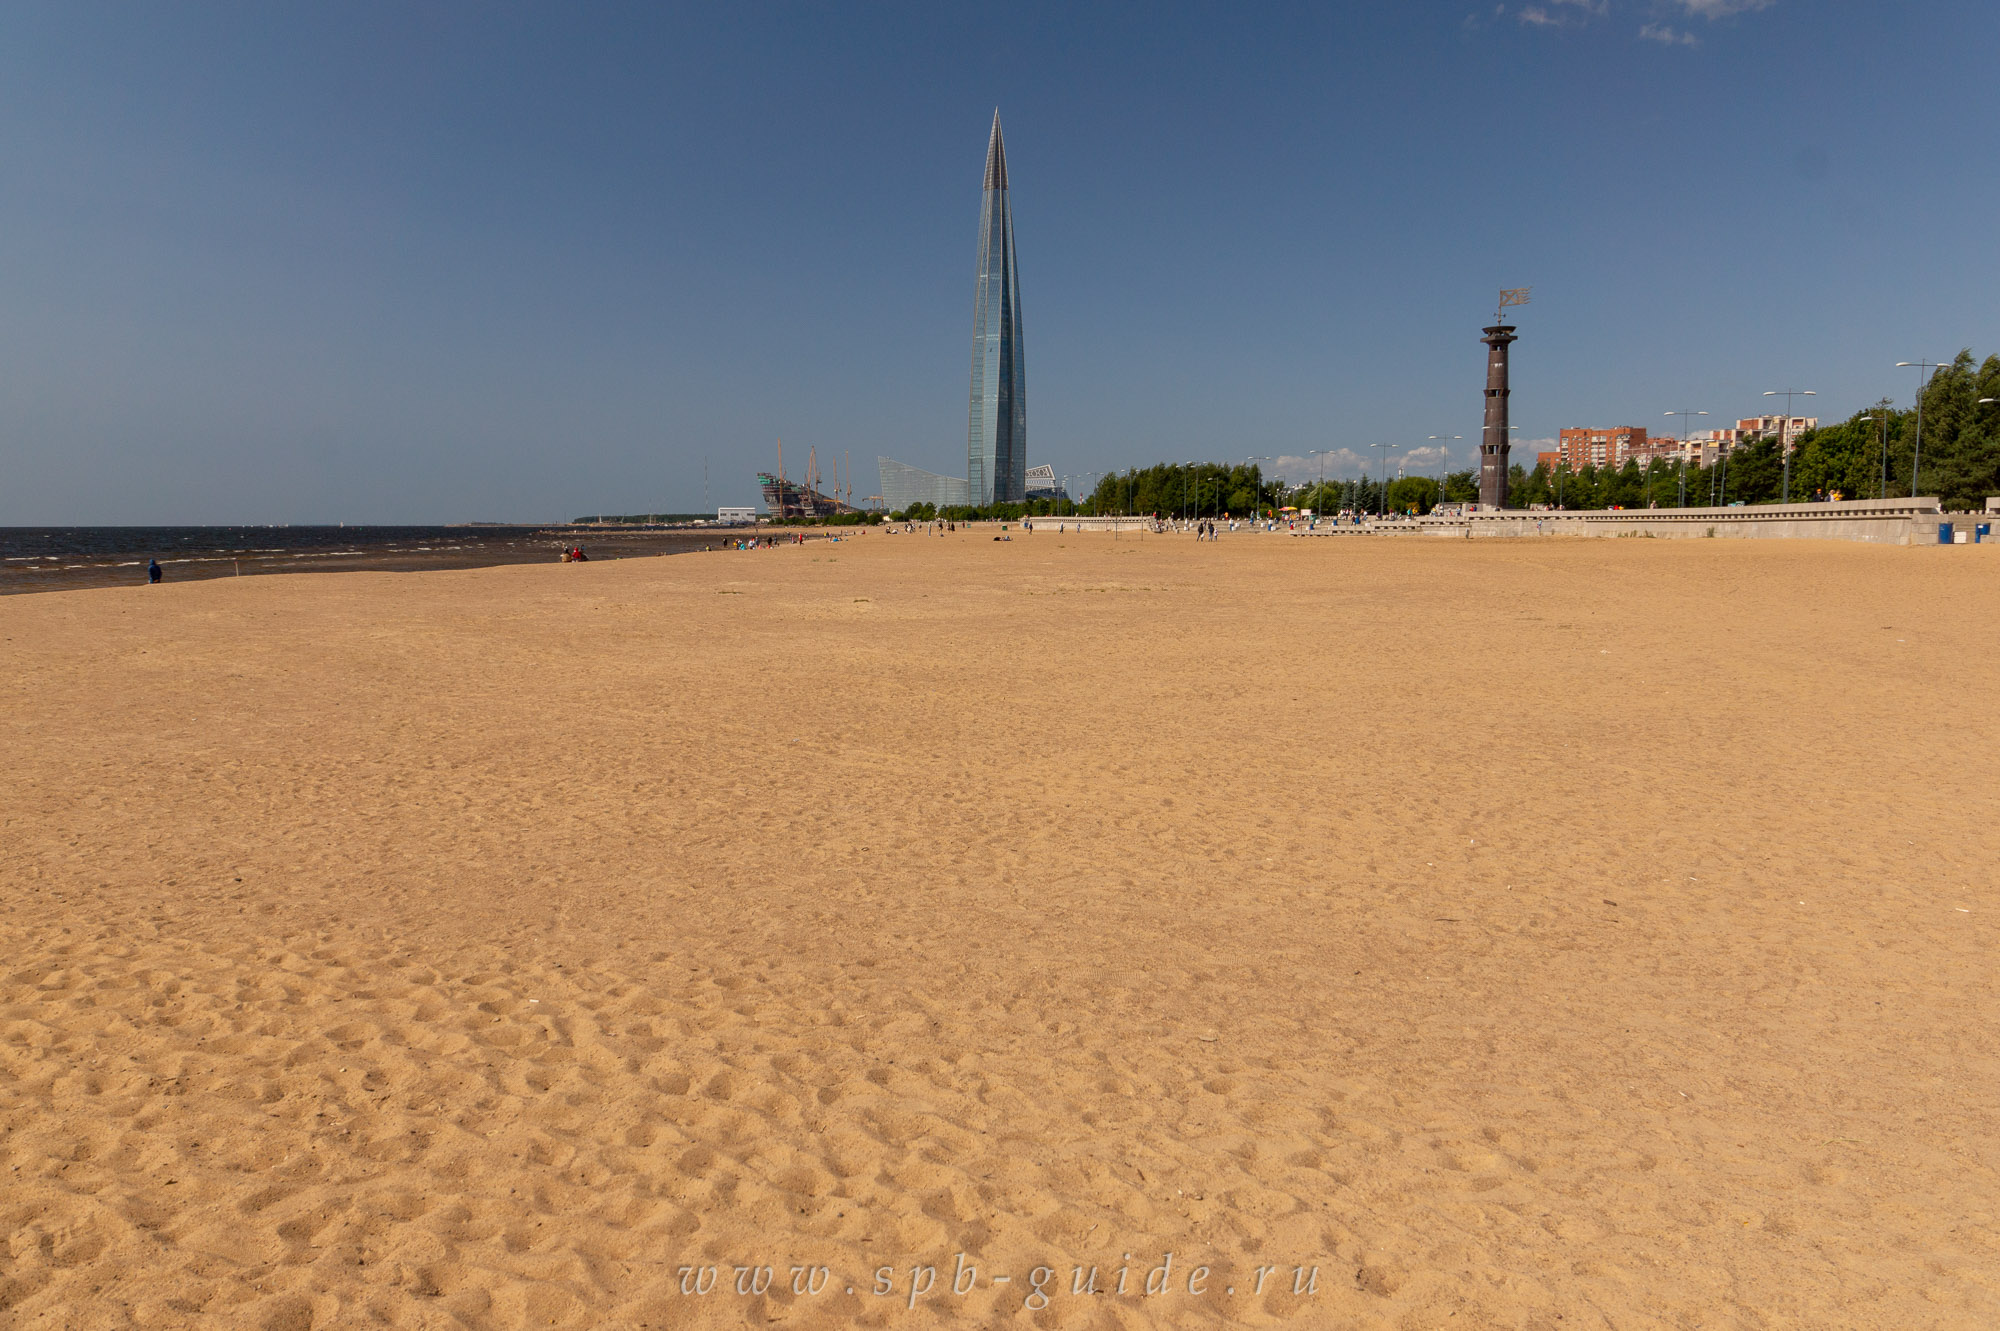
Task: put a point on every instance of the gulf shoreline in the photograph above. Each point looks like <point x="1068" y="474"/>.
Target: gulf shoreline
<point x="346" y="550"/>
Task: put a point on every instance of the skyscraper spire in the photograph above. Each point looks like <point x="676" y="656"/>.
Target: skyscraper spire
<point x="997" y="421"/>
<point x="996" y="156"/>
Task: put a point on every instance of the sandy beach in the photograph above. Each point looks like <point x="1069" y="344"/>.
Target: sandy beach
<point x="1400" y="934"/>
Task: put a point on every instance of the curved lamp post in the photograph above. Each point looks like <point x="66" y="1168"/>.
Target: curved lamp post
<point x="1320" y="497"/>
<point x="1385" y="477"/>
<point x="1684" y="449"/>
<point x="1785" y="431"/>
<point x="1256" y="488"/>
<point x="1920" y="366"/>
<point x="1443" y="442"/>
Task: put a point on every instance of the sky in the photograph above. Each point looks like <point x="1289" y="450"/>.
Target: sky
<point x="437" y="262"/>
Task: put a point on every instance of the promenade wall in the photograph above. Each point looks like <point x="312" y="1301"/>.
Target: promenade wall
<point x="1091" y="524"/>
<point x="1882" y="521"/>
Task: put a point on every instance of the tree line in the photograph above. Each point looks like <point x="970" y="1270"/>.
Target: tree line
<point x="1870" y="455"/>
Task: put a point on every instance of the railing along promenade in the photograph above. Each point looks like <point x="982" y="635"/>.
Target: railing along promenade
<point x="1890" y="521"/>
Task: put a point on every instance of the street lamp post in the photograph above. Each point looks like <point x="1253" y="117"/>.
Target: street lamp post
<point x="1785" y="431"/>
<point x="1916" y="457"/>
<point x="1319" y="498"/>
<point x="1684" y="449"/>
<point x="1256" y="487"/>
<point x="1882" y="432"/>
<point x="1722" y="473"/>
<point x="1385" y="478"/>
<point x="1443" y="442"/>
<point x="1880" y="415"/>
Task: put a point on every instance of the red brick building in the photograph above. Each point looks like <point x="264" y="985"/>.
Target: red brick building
<point x="1612" y="448"/>
<point x="1584" y="447"/>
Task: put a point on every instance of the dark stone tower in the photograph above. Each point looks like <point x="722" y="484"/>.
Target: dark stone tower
<point x="1494" y="444"/>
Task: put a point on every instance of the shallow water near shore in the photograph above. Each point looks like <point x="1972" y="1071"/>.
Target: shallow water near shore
<point x="35" y="559"/>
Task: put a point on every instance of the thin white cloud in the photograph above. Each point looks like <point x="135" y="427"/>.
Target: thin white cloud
<point x="1347" y="463"/>
<point x="1567" y="13"/>
<point x="1562" y="13"/>
<point x="1715" y="9"/>
<point x="1298" y="470"/>
<point x="1666" y="36"/>
<point x="1473" y="21"/>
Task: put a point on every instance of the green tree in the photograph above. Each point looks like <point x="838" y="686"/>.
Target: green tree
<point x="1756" y="472"/>
<point x="1533" y="490"/>
<point x="1413" y="494"/>
<point x="1623" y="488"/>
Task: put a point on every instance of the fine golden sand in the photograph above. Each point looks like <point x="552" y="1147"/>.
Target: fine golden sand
<point x="1517" y="934"/>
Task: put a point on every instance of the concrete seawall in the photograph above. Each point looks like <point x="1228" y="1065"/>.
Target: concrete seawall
<point x="1086" y="523"/>
<point x="1883" y="521"/>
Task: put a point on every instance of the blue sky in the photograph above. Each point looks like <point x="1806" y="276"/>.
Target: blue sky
<point x="283" y="263"/>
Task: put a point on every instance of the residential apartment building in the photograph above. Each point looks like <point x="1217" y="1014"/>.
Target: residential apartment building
<point x="1764" y="427"/>
<point x="1658" y="451"/>
<point x="1708" y="447"/>
<point x="1584" y="447"/>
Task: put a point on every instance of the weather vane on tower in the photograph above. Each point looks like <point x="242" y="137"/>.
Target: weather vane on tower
<point x="1510" y="296"/>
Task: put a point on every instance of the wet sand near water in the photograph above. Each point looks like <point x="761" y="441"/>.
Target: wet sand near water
<point x="1490" y="934"/>
<point x="362" y="552"/>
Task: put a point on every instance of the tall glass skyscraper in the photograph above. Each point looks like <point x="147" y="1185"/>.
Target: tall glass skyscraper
<point x="997" y="422"/>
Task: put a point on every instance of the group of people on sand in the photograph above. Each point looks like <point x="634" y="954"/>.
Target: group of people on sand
<point x="573" y="554"/>
<point x="768" y="542"/>
<point x="1205" y="530"/>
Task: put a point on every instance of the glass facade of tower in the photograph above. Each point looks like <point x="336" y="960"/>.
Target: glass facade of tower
<point x="903" y="485"/>
<point x="997" y="421"/>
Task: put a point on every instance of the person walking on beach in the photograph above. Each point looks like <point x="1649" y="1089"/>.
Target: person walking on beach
<point x="152" y="570"/>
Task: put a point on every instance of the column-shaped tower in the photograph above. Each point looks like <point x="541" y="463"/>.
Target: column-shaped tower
<point x="1494" y="443"/>
<point x="997" y="420"/>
